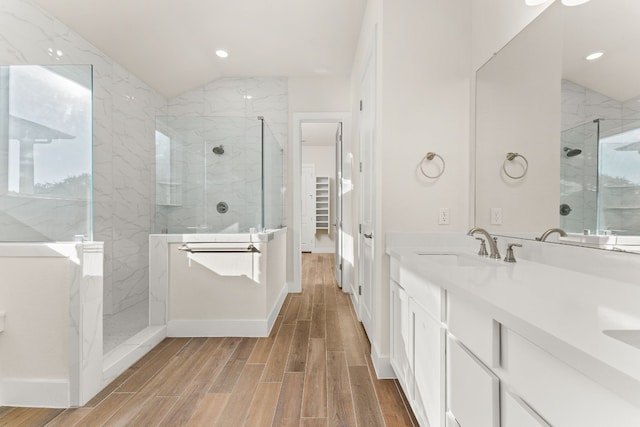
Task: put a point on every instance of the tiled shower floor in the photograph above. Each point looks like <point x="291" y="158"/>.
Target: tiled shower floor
<point x="119" y="327"/>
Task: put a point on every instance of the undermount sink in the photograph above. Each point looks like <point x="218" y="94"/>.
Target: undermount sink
<point x="457" y="259"/>
<point x="627" y="336"/>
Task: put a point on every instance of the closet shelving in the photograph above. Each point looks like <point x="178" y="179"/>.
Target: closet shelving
<point x="322" y="203"/>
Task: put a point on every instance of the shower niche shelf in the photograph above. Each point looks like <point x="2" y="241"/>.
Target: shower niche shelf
<point x="322" y="203"/>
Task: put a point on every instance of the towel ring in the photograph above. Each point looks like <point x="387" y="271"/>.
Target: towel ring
<point x="511" y="157"/>
<point x="430" y="156"/>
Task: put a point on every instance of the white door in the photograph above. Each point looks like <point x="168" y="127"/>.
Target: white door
<point x="308" y="209"/>
<point x="367" y="238"/>
<point x="338" y="206"/>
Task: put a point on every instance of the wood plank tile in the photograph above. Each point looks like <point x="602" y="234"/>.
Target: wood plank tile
<point x="263" y="347"/>
<point x="314" y="399"/>
<point x="209" y="410"/>
<point x="184" y="368"/>
<point x="263" y="406"/>
<point x="407" y="405"/>
<point x="394" y="409"/>
<point x="154" y="410"/>
<point x="318" y="294"/>
<point x="330" y="299"/>
<point x="306" y="306"/>
<point x="368" y="412"/>
<point x="298" y="352"/>
<point x="350" y="341"/>
<point x="279" y="353"/>
<point x="67" y="418"/>
<point x="340" y="410"/>
<point x="291" y="315"/>
<point x="105" y="410"/>
<point x="318" y="321"/>
<point x="290" y="401"/>
<point x="234" y="413"/>
<point x="113" y="386"/>
<point x="334" y="334"/>
<point x="226" y="380"/>
<point x="144" y="374"/>
<point x="313" y="422"/>
<point x="4" y="411"/>
<point x="29" y="416"/>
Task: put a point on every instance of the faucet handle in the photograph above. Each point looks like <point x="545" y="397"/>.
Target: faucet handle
<point x="483" y="247"/>
<point x="509" y="257"/>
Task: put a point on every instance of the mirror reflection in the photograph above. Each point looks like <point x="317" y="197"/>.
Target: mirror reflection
<point x="566" y="94"/>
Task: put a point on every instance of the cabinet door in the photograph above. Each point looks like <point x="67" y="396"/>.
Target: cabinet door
<point x="473" y="389"/>
<point x="516" y="413"/>
<point x="399" y="354"/>
<point x="428" y="366"/>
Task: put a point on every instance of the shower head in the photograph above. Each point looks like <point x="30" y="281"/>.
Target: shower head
<point x="218" y="150"/>
<point x="571" y="152"/>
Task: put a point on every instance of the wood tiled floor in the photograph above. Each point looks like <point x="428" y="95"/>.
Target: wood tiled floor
<point x="313" y="370"/>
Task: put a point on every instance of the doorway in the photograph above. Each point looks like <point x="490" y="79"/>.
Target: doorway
<point x="320" y="139"/>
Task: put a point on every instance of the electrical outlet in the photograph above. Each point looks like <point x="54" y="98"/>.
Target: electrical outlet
<point x="444" y="215"/>
<point x="496" y="216"/>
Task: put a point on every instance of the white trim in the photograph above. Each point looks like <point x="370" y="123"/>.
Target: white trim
<point x="38" y="393"/>
<point x="381" y="364"/>
<point x="277" y="306"/>
<point x="296" y="191"/>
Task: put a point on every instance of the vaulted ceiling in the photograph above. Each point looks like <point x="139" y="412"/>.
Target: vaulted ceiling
<point x="171" y="44"/>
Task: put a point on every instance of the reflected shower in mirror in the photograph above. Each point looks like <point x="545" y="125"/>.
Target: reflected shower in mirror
<point x="577" y="121"/>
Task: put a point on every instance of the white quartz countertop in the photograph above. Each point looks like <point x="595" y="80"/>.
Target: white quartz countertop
<point x="591" y="322"/>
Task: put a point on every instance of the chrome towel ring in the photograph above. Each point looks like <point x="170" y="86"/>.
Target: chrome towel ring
<point x="511" y="157"/>
<point x="429" y="157"/>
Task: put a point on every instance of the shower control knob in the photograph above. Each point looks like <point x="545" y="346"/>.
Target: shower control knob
<point x="565" y="209"/>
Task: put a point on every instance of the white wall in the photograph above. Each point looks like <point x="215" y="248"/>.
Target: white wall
<point x="324" y="159"/>
<point x="423" y="62"/>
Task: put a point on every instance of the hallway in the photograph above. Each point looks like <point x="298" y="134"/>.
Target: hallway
<point x="313" y="370"/>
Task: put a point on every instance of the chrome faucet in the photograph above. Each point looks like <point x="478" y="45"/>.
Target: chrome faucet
<point x="493" y="245"/>
<point x="551" y="231"/>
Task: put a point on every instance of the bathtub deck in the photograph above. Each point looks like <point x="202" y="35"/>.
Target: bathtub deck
<point x="313" y="370"/>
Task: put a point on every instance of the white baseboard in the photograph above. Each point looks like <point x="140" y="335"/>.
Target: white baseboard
<point x="381" y="364"/>
<point x="36" y="393"/>
<point x="294" y="288"/>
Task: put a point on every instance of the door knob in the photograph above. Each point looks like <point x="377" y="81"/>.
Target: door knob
<point x="368" y="236"/>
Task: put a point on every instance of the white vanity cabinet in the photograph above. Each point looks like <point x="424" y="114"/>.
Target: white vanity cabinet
<point x="417" y="352"/>
<point x="428" y="367"/>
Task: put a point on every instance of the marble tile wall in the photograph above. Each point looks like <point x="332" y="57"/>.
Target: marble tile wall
<point x="226" y="109"/>
<point x="124" y="112"/>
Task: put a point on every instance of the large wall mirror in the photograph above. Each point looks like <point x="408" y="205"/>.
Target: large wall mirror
<point x="574" y="123"/>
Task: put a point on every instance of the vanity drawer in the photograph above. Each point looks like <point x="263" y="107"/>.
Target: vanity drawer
<point x="476" y="330"/>
<point x="428" y="295"/>
<point x="473" y="390"/>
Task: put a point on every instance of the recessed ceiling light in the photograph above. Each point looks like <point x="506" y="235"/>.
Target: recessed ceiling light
<point x="574" y="2"/>
<point x="593" y="56"/>
<point x="222" y="53"/>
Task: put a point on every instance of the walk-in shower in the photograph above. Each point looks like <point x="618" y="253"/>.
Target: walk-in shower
<point x="217" y="175"/>
<point x="600" y="177"/>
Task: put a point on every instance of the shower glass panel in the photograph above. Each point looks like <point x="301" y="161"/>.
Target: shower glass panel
<point x="274" y="184"/>
<point x="579" y="178"/>
<point x="209" y="175"/>
<point x="619" y="172"/>
<point x="45" y="152"/>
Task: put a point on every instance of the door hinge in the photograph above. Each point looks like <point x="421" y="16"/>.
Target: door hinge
<point x="360" y="290"/>
<point x="360" y="228"/>
<point x="340" y="266"/>
<point x="360" y="105"/>
<point x="360" y="166"/>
